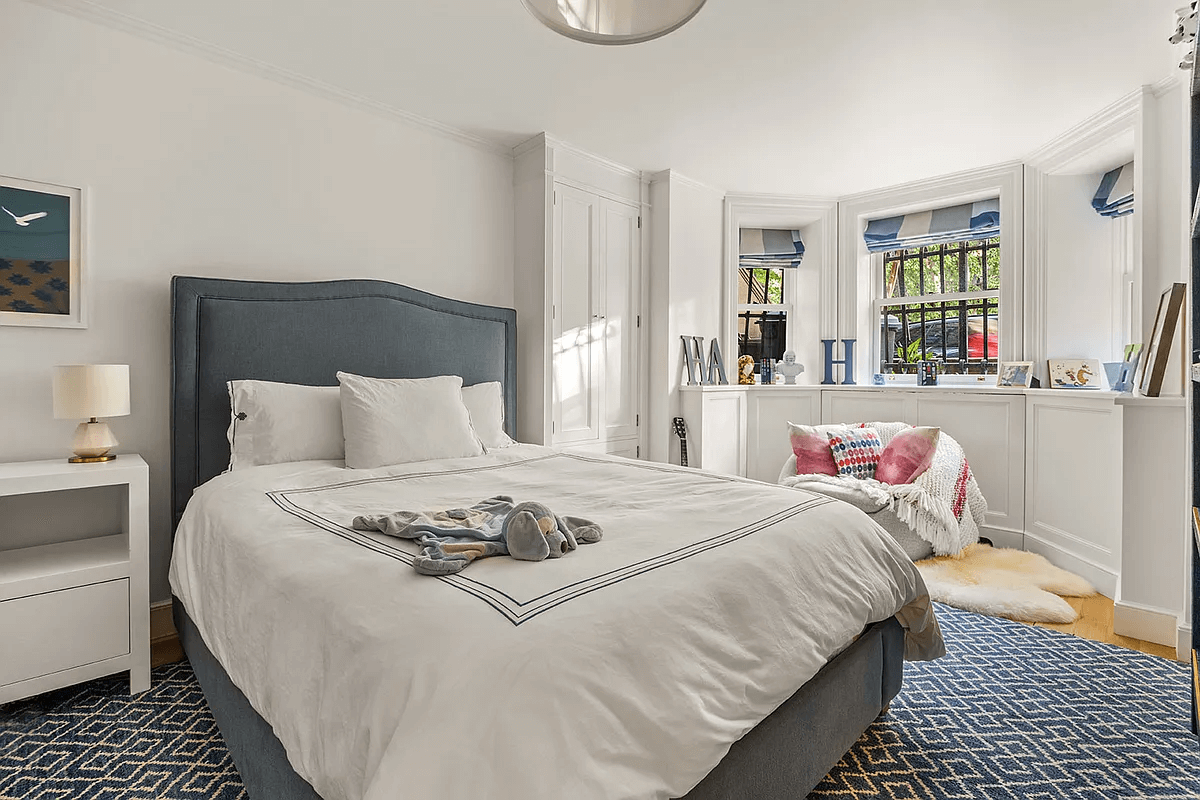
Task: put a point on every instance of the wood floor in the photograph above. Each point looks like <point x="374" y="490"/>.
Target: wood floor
<point x="1096" y="623"/>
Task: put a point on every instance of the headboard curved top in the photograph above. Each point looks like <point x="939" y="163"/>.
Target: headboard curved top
<point x="225" y="330"/>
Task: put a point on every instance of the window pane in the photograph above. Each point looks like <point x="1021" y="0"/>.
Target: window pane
<point x="760" y="286"/>
<point x="938" y="269"/>
<point x="964" y="335"/>
<point x="762" y="334"/>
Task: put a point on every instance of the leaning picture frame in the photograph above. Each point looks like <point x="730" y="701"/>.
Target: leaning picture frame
<point x="1158" y="351"/>
<point x="1014" y="374"/>
<point x="42" y="269"/>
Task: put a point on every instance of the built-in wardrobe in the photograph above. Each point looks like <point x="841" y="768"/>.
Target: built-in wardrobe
<point x="578" y="280"/>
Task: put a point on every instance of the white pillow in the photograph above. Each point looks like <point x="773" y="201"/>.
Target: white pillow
<point x="276" y="422"/>
<point x="485" y="403"/>
<point x="399" y="420"/>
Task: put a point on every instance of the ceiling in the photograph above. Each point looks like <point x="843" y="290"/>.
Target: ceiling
<point x="811" y="97"/>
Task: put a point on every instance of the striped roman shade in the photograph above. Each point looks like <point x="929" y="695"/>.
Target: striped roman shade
<point x="963" y="223"/>
<point x="1114" y="197"/>
<point x="766" y="248"/>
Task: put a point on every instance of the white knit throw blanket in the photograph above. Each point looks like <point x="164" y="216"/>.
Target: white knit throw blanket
<point x="943" y="506"/>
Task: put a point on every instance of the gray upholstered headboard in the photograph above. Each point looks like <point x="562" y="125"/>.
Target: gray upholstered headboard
<point x="304" y="333"/>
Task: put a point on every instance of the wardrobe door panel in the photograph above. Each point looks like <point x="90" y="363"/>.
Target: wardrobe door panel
<point x="620" y="256"/>
<point x="577" y="323"/>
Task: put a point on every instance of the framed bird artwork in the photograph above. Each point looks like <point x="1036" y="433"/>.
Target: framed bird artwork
<point x="41" y="254"/>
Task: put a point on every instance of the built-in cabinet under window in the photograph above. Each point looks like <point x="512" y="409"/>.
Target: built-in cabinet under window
<point x="595" y="328"/>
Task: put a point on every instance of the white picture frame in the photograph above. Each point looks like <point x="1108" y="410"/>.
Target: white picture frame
<point x="1075" y="373"/>
<point x="46" y="224"/>
<point x="1014" y="374"/>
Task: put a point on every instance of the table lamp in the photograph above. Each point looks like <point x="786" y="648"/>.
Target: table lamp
<point x="89" y="391"/>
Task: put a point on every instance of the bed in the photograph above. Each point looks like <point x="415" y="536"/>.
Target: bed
<point x="606" y="673"/>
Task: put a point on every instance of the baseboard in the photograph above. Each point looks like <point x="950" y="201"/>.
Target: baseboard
<point x="1183" y="644"/>
<point x="1103" y="578"/>
<point x="164" y="639"/>
<point x="1004" y="537"/>
<point x="162" y="627"/>
<point x="1146" y="623"/>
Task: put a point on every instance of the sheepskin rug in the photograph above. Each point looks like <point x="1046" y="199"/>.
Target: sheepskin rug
<point x="1001" y="582"/>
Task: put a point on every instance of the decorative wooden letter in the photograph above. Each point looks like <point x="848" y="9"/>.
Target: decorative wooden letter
<point x="693" y="357"/>
<point x="716" y="367"/>
<point x="847" y="362"/>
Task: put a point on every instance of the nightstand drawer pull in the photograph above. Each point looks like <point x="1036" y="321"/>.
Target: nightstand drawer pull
<point x="46" y="633"/>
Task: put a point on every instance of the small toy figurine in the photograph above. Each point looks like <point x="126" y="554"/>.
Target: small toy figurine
<point x="788" y="368"/>
<point x="745" y="370"/>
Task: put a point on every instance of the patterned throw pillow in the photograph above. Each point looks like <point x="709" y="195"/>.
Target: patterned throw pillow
<point x="855" y="451"/>
<point x="813" y="456"/>
<point x="907" y="455"/>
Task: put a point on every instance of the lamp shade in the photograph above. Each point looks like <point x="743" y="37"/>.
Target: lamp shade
<point x="613" y="21"/>
<point x="82" y="391"/>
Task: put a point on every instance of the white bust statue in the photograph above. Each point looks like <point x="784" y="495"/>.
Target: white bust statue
<point x="788" y="368"/>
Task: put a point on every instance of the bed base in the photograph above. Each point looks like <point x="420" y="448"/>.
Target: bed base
<point x="782" y="758"/>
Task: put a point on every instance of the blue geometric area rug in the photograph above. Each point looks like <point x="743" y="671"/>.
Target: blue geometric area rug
<point x="95" y="742"/>
<point x="1012" y="712"/>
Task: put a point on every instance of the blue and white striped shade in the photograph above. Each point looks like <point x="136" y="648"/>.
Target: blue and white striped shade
<point x="1114" y="197"/>
<point x="766" y="248"/>
<point x="963" y="223"/>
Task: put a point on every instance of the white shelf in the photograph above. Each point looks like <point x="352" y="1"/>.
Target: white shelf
<point x="50" y="567"/>
<point x="30" y="477"/>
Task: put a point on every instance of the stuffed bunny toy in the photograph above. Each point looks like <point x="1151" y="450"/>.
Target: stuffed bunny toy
<point x="534" y="533"/>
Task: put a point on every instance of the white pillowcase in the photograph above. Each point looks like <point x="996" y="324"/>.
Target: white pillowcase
<point x="400" y="420"/>
<point x="485" y="403"/>
<point x="283" y="422"/>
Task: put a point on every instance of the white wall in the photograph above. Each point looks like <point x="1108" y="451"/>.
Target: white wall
<point x="192" y="168"/>
<point x="1079" y="267"/>
<point x="685" y="288"/>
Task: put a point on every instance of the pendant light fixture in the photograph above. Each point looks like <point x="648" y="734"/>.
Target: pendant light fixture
<point x="613" y="21"/>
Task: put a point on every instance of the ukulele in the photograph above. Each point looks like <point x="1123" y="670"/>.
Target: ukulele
<point x="681" y="432"/>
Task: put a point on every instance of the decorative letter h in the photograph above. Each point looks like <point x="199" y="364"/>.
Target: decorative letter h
<point x="847" y="362"/>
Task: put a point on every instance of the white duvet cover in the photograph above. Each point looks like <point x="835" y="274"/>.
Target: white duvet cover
<point x="622" y="670"/>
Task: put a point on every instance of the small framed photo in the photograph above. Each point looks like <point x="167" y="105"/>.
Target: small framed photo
<point x="1075" y="373"/>
<point x="1162" y="336"/>
<point x="41" y="255"/>
<point x="1014" y="374"/>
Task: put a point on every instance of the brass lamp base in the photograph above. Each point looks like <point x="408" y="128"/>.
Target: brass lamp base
<point x="91" y="459"/>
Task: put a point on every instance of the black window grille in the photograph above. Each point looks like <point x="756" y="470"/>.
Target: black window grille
<point x="762" y="332"/>
<point x="962" y="333"/>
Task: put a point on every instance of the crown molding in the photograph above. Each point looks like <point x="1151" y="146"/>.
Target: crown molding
<point x="1092" y="132"/>
<point x="1164" y="85"/>
<point x="672" y="175"/>
<point x="945" y="189"/>
<point x="781" y="201"/>
<point x="93" y="12"/>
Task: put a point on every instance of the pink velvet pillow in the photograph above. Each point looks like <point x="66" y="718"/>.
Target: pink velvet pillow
<point x="813" y="456"/>
<point x="907" y="456"/>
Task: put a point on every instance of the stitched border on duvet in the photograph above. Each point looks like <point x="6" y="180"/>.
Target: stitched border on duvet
<point x="518" y="611"/>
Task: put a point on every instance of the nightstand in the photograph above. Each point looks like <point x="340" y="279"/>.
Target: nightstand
<point x="71" y="611"/>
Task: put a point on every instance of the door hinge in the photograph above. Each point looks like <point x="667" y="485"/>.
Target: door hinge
<point x="555" y="198"/>
<point x="639" y="223"/>
<point x="638" y="452"/>
<point x="639" y="320"/>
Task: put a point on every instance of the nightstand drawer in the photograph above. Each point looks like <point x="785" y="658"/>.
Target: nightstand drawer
<point x="51" y="632"/>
